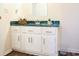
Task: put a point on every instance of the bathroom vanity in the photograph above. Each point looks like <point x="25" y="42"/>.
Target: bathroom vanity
<point x="36" y="39"/>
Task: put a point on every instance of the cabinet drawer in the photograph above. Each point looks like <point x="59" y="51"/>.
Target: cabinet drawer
<point x="15" y="29"/>
<point x="49" y="30"/>
<point x="31" y="30"/>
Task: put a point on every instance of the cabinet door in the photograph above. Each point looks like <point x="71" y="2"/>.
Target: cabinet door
<point x="31" y="30"/>
<point x="49" y="31"/>
<point x="36" y="43"/>
<point x="25" y="42"/>
<point x="31" y="43"/>
<point x="49" y="45"/>
<point x="15" y="36"/>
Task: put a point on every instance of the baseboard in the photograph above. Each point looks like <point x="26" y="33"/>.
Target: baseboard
<point x="7" y="52"/>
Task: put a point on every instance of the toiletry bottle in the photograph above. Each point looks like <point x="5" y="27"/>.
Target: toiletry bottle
<point x="49" y="21"/>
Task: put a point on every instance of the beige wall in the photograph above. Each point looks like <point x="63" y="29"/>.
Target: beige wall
<point x="7" y="13"/>
<point x="70" y="27"/>
<point x="26" y="9"/>
<point x="54" y="10"/>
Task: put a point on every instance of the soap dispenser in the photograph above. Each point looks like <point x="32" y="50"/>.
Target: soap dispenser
<point x="49" y="22"/>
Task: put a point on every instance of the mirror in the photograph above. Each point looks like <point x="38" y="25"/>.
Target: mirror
<point x="39" y="9"/>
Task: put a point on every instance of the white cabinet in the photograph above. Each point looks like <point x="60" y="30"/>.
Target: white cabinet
<point x="49" y="45"/>
<point x="31" y="39"/>
<point x="35" y="40"/>
<point x="32" y="43"/>
<point x="36" y="43"/>
<point x="26" y="44"/>
<point x="15" y="34"/>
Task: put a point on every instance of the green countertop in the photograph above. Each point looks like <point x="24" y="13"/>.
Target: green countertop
<point x="40" y="23"/>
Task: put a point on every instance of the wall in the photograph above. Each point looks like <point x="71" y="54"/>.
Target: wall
<point x="54" y="10"/>
<point x="7" y="13"/>
<point x="25" y="10"/>
<point x="70" y="28"/>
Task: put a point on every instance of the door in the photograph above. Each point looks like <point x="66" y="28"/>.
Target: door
<point x="15" y="36"/>
<point x="49" y="45"/>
